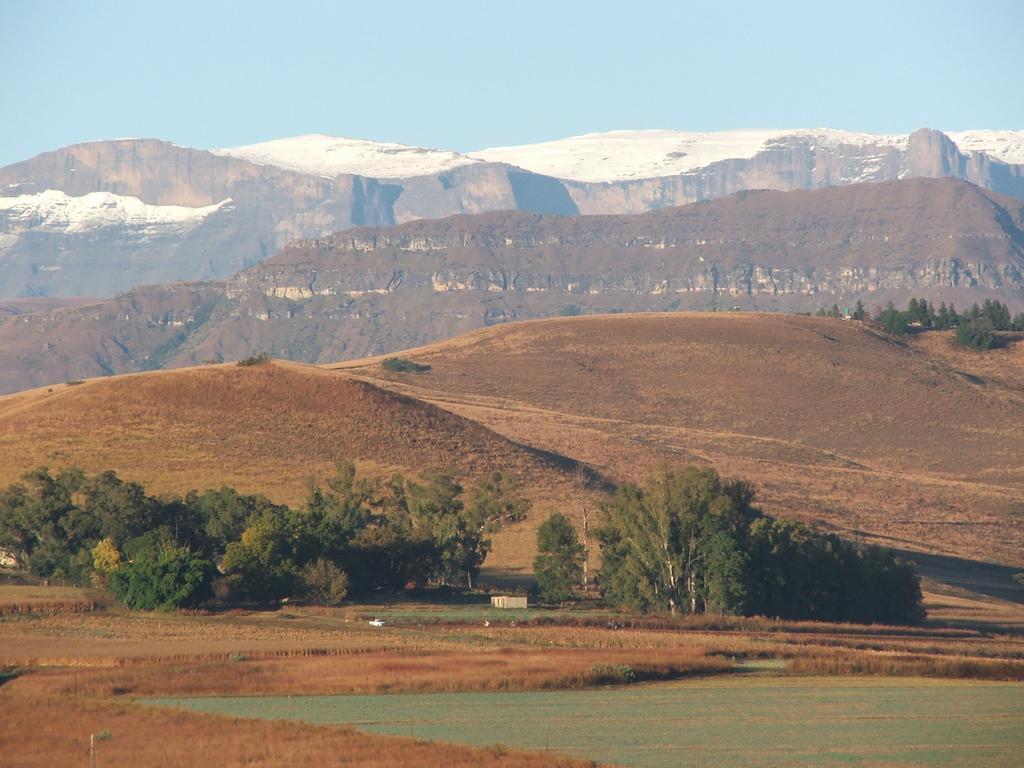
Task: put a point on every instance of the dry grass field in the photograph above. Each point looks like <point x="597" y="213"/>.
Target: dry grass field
<point x="44" y="732"/>
<point x="32" y="599"/>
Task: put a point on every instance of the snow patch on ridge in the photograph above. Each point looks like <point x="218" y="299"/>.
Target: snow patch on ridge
<point x="55" y="211"/>
<point x="330" y="156"/>
<point x="645" y="154"/>
<point x="1007" y="146"/>
<point x="597" y="157"/>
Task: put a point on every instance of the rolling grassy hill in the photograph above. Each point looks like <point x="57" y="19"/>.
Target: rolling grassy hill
<point x="264" y="428"/>
<point x="915" y="444"/>
<point x="912" y="444"/>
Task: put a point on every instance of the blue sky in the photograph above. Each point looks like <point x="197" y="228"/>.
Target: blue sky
<point x="464" y="75"/>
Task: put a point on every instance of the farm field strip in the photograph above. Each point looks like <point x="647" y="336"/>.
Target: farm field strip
<point x="735" y="722"/>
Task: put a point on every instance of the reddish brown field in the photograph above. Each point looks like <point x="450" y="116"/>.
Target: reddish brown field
<point x="493" y="669"/>
<point x="45" y="732"/>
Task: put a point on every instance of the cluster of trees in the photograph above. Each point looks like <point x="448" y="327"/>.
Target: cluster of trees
<point x="354" y="534"/>
<point x="689" y="541"/>
<point x="685" y="540"/>
<point x="403" y="365"/>
<point x="973" y="328"/>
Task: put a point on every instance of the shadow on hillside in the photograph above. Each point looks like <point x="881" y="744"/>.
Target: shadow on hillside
<point x="985" y="579"/>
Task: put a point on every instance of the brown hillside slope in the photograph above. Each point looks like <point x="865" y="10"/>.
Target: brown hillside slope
<point x="266" y="428"/>
<point x="836" y="423"/>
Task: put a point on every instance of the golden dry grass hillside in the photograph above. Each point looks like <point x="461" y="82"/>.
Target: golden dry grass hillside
<point x="262" y="429"/>
<point x="913" y="444"/>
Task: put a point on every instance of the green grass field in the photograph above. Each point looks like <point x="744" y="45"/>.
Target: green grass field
<point x="739" y="721"/>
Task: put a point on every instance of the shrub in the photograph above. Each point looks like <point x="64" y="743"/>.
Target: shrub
<point x="402" y="365"/>
<point x="105" y="557"/>
<point x="260" y="359"/>
<point x="324" y="583"/>
<point x="975" y="334"/>
<point x="612" y="674"/>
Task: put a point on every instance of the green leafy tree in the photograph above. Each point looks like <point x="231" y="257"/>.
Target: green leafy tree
<point x="459" y="529"/>
<point x="955" y="318"/>
<point x="34" y="516"/>
<point x="119" y="510"/>
<point x="494" y="502"/>
<point x="224" y="513"/>
<point x="894" y="321"/>
<point x="670" y="544"/>
<point x="262" y="563"/>
<point x="159" y="575"/>
<point x="686" y="540"/>
<point x="435" y="508"/>
<point x="336" y="514"/>
<point x="559" y="562"/>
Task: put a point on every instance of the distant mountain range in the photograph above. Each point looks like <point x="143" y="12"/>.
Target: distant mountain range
<point x="376" y="290"/>
<point x="99" y="218"/>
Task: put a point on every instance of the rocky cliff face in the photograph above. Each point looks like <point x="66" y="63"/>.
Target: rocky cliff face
<point x="262" y="207"/>
<point x="259" y="209"/>
<point x="798" y="163"/>
<point x="376" y="290"/>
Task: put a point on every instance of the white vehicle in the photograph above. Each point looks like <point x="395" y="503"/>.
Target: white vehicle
<point x="376" y="622"/>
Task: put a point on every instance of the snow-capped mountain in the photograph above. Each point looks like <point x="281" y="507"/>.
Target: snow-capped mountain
<point x="331" y="156"/>
<point x="99" y="217"/>
<point x="631" y="155"/>
<point x="595" y="157"/>
<point x="1005" y="146"/>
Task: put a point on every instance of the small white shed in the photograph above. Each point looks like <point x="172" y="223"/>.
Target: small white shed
<point x="508" y="601"/>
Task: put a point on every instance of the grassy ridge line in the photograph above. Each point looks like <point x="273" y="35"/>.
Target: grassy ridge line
<point x="262" y="429"/>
